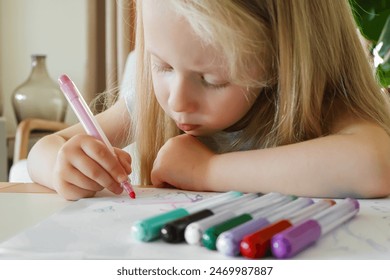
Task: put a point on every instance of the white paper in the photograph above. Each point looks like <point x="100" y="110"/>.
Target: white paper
<point x="99" y="228"/>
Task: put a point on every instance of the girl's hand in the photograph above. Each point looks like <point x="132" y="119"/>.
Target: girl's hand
<point x="85" y="165"/>
<point x="183" y="163"/>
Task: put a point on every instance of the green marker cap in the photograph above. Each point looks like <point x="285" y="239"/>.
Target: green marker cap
<point x="209" y="238"/>
<point x="149" y="229"/>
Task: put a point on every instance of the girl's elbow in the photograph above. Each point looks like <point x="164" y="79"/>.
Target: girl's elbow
<point x="378" y="184"/>
<point x="377" y="189"/>
<point x="383" y="185"/>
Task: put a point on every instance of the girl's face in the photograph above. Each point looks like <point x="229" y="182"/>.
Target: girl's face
<point x="190" y="79"/>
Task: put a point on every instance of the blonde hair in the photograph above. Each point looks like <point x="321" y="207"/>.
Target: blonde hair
<point x="309" y="50"/>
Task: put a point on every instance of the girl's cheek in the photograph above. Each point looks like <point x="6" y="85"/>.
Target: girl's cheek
<point x="161" y="86"/>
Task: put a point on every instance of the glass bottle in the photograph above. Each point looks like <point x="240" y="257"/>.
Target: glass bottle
<point x="39" y="96"/>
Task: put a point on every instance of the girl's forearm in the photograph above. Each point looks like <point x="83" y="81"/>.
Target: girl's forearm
<point x="42" y="157"/>
<point x="332" y="166"/>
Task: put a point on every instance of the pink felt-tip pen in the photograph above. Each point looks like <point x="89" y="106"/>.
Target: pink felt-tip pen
<point x="87" y="119"/>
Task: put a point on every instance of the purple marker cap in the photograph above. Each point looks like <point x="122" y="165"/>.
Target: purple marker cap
<point x="355" y="202"/>
<point x="293" y="240"/>
<point x="228" y="242"/>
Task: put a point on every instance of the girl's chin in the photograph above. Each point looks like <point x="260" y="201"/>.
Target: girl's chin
<point x="201" y="133"/>
<point x="194" y="133"/>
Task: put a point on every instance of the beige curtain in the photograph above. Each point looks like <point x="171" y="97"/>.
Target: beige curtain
<point x="111" y="38"/>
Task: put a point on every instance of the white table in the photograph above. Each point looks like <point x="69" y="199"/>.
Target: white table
<point x="22" y="206"/>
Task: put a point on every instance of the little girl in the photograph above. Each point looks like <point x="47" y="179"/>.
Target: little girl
<point x="255" y="96"/>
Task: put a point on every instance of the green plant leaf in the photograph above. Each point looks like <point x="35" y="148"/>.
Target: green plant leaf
<point x="371" y="17"/>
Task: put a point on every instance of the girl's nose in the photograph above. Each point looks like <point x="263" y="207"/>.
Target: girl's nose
<point x="182" y="96"/>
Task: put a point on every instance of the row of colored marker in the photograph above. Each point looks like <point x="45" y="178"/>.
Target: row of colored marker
<point x="252" y="225"/>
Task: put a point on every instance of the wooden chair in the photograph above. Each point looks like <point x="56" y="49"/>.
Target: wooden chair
<point x="24" y="130"/>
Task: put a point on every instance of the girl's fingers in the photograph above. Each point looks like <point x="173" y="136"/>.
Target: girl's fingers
<point x="124" y="159"/>
<point x="79" y="179"/>
<point x="101" y="154"/>
<point x="87" y="163"/>
<point x="73" y="192"/>
<point x="97" y="173"/>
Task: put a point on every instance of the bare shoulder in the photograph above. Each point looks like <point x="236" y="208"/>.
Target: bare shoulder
<point x="115" y="121"/>
<point x="116" y="111"/>
<point x="364" y="133"/>
<point x="370" y="143"/>
<point x="347" y="124"/>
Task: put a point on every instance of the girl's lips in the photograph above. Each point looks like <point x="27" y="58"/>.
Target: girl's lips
<point x="187" y="127"/>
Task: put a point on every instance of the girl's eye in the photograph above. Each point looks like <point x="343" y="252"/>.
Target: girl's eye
<point x="214" y="85"/>
<point x="161" y="68"/>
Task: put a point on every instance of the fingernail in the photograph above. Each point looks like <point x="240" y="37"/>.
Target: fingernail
<point x="122" y="178"/>
<point x="119" y="191"/>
